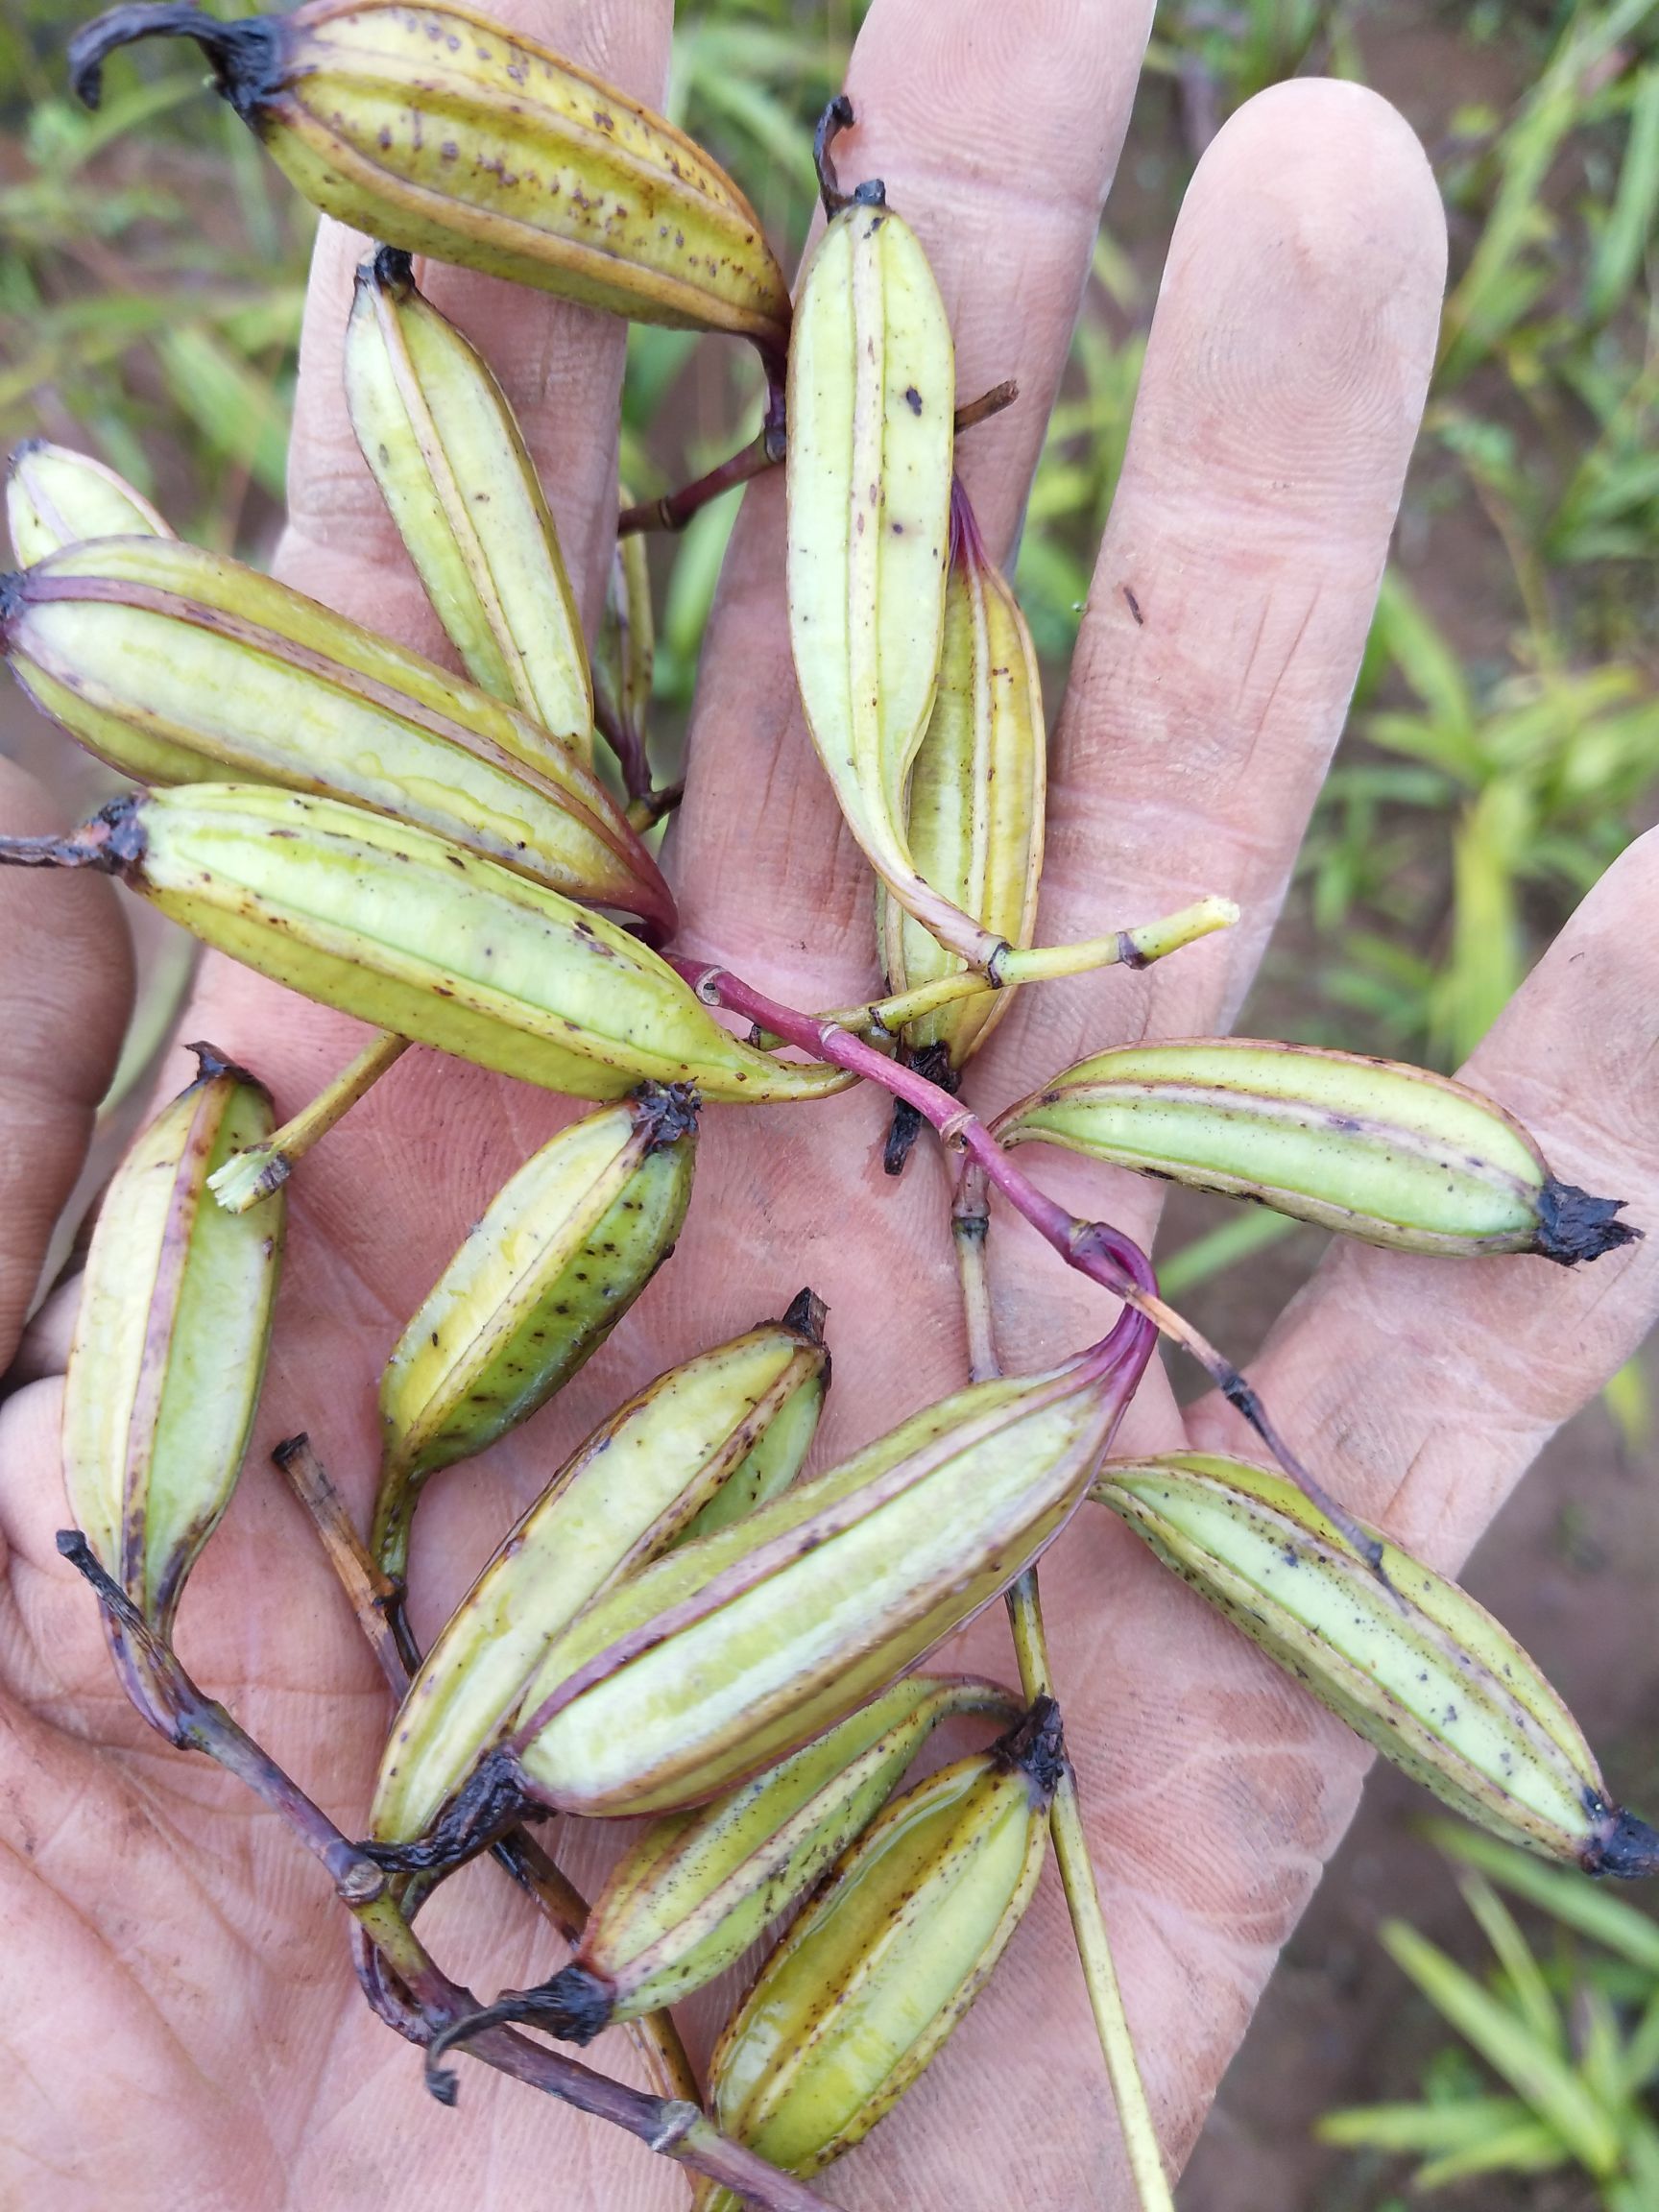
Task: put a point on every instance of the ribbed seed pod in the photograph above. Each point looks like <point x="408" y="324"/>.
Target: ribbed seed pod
<point x="1408" y="1659"/>
<point x="720" y="1659"/>
<point x="55" y="497"/>
<point x="622" y="1498"/>
<point x="445" y="133"/>
<point x="170" y="1341"/>
<point x="407" y="931"/>
<point x="869" y="1982"/>
<point x="974" y="813"/>
<point x="1371" y="1149"/>
<point x="563" y="1251"/>
<point x="697" y="1888"/>
<point x="446" y="451"/>
<point x="872" y="395"/>
<point x="177" y="665"/>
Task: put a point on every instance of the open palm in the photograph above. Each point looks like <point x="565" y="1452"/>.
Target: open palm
<point x="180" y="2024"/>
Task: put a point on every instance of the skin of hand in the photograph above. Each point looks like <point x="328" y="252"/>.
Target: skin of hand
<point x="180" y="2025"/>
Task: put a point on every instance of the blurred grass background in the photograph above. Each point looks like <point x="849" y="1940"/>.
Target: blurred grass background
<point x="1503" y="744"/>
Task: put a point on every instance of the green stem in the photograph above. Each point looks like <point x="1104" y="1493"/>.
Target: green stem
<point x="971" y="1223"/>
<point x="248" y="1176"/>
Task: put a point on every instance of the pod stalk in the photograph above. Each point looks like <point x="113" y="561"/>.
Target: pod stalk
<point x="245" y="57"/>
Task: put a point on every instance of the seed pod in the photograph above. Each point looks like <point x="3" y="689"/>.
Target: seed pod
<point x="871" y="1981"/>
<point x="405" y="931"/>
<point x="169" y="1348"/>
<point x="974" y="815"/>
<point x="872" y="393"/>
<point x="698" y="1887"/>
<point x="1404" y="1658"/>
<point x="441" y="132"/>
<point x="562" y="1253"/>
<point x="446" y="451"/>
<point x="722" y="1658"/>
<point x="1387" y="1153"/>
<point x="54" y="497"/>
<point x="177" y="665"/>
<point x="621" y="1499"/>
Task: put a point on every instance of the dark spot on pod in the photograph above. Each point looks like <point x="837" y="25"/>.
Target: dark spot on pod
<point x="913" y="398"/>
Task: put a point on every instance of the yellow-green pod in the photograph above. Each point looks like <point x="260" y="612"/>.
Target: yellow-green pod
<point x="562" y="1251"/>
<point x="1371" y="1149"/>
<point x="1408" y="1659"/>
<point x="720" y="1659"/>
<point x="979" y="789"/>
<point x="54" y="497"/>
<point x="170" y="1341"/>
<point x="622" y="1498"/>
<point x="443" y="133"/>
<point x="178" y="665"/>
<point x="699" y="1887"/>
<point x="445" y="447"/>
<point x="869" y="1982"/>
<point x="413" y="935"/>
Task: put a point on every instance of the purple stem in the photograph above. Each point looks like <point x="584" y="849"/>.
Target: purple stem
<point x="1094" y="1248"/>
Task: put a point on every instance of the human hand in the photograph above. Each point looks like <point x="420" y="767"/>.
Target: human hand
<point x="182" y="2021"/>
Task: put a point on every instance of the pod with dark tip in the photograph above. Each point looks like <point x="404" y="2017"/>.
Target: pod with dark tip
<point x="443" y="133"/>
<point x="1408" y="1659"/>
<point x="864" y="1991"/>
<point x="1371" y="1149"/>
<point x="698" y="1887"/>
<point x="445" y="449"/>
<point x="623" y="1498"/>
<point x="562" y="1251"/>
<point x="407" y="931"/>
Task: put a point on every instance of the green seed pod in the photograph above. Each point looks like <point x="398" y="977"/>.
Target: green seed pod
<point x="562" y="1253"/>
<point x="872" y="397"/>
<point x="440" y="132"/>
<point x="699" y="1887"/>
<point x="625" y="654"/>
<point x="178" y="667"/>
<point x="416" y="937"/>
<point x="446" y="449"/>
<point x="869" y="1982"/>
<point x="622" y="1498"/>
<point x="1404" y="1658"/>
<point x="1387" y="1153"/>
<point x="169" y="1348"/>
<point x="54" y="497"/>
<point x="720" y="1659"/>
<point x="975" y="809"/>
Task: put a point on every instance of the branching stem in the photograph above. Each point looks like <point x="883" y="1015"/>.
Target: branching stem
<point x="1094" y="1248"/>
<point x="673" y="2126"/>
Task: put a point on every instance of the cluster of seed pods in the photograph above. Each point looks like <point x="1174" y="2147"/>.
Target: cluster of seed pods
<point x="685" y="1625"/>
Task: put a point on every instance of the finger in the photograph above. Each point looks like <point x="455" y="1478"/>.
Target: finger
<point x="560" y="366"/>
<point x="995" y="132"/>
<point x="65" y="992"/>
<point x="1421" y="1389"/>
<point x="1285" y="372"/>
